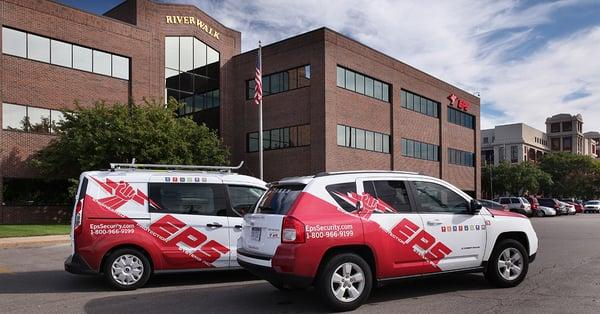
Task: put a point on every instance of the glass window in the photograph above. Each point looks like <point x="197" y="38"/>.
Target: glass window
<point x="377" y="90"/>
<point x="369" y="86"/>
<point x="386" y="143"/>
<point x="340" y="192"/>
<point x="38" y="48"/>
<point x="386" y="92"/>
<point x="275" y="139"/>
<point x="14" y="42"/>
<point x="39" y="120"/>
<point x="567" y="126"/>
<point x="172" y="52"/>
<point x="14" y="117"/>
<point x="120" y="67"/>
<point x="243" y="198"/>
<point x="212" y="55"/>
<point x="341" y="136"/>
<point x="82" y="58"/>
<point x="253" y="142"/>
<point x="360" y="83"/>
<point x="360" y="139"/>
<point x="188" y="198"/>
<point x="392" y="193"/>
<point x="199" y="56"/>
<point x="437" y="198"/>
<point x="341" y="79"/>
<point x="61" y="53"/>
<point x="378" y="142"/>
<point x="350" y="82"/>
<point x="567" y="144"/>
<point x="279" y="199"/>
<point x="186" y="53"/>
<point x="102" y="63"/>
<point x="370" y="140"/>
<point x="57" y="118"/>
<point x="410" y="101"/>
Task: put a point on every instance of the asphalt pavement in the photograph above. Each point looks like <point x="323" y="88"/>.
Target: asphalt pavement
<point x="565" y="278"/>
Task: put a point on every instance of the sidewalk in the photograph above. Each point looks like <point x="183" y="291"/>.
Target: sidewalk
<point x="38" y="241"/>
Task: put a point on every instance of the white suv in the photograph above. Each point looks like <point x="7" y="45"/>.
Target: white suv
<point x="345" y="232"/>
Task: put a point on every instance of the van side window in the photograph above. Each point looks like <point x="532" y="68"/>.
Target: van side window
<point x="393" y="193"/>
<point x="504" y="200"/>
<point x="342" y="188"/>
<point x="437" y="198"/>
<point x="187" y="198"/>
<point x="243" y="198"/>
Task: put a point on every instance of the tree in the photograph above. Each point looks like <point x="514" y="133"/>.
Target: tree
<point x="573" y="175"/>
<point x="91" y="138"/>
<point x="514" y="179"/>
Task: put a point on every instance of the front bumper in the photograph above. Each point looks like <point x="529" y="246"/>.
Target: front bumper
<point x="532" y="257"/>
<point x="77" y="265"/>
<point x="269" y="274"/>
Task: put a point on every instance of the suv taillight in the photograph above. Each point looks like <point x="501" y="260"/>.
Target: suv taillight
<point x="77" y="220"/>
<point x="292" y="231"/>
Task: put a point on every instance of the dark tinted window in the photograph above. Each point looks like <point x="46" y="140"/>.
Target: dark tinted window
<point x="279" y="199"/>
<point x="514" y="200"/>
<point x="393" y="193"/>
<point x="191" y="199"/>
<point x="548" y="202"/>
<point x="436" y="198"/>
<point x="243" y="198"/>
<point x="342" y="189"/>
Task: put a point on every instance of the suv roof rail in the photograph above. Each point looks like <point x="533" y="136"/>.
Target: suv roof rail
<point x="132" y="166"/>
<point x="324" y="174"/>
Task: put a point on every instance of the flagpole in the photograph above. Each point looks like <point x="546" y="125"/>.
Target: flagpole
<point x="260" y="118"/>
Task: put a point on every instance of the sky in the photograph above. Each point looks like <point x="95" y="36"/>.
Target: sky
<point x="527" y="60"/>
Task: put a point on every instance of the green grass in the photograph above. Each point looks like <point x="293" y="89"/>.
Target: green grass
<point x="7" y="231"/>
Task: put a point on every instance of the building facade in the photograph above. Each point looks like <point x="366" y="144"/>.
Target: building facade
<point x="565" y="133"/>
<point x="514" y="143"/>
<point x="330" y="103"/>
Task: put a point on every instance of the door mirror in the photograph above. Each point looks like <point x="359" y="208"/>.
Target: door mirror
<point x="359" y="206"/>
<point x="474" y="206"/>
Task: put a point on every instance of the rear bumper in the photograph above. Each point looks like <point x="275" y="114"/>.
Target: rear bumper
<point x="77" y="265"/>
<point x="269" y="274"/>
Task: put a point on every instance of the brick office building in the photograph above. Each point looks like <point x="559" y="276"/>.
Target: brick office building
<point x="330" y="102"/>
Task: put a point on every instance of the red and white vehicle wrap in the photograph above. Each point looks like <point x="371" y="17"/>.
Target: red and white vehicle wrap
<point x="115" y="209"/>
<point x="291" y="247"/>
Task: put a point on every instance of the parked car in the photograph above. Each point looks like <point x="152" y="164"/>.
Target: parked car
<point x="553" y="203"/>
<point x="570" y="208"/>
<point x="578" y="206"/>
<point x="543" y="211"/>
<point x="534" y="203"/>
<point x="130" y="224"/>
<point x="516" y="204"/>
<point x="493" y="205"/>
<point x="592" y="206"/>
<point x="345" y="233"/>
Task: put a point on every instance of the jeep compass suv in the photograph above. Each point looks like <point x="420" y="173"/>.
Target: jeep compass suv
<point x="345" y="232"/>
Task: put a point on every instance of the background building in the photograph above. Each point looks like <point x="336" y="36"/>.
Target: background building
<point x="565" y="133"/>
<point x="514" y="143"/>
<point x="330" y="103"/>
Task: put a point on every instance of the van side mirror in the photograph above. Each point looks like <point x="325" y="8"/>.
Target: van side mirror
<point x="359" y="206"/>
<point x="474" y="206"/>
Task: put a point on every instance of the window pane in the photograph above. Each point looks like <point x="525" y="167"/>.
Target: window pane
<point x="276" y="83"/>
<point x="341" y="136"/>
<point x="102" y="63"/>
<point x="212" y="55"/>
<point x="188" y="198"/>
<point x="39" y="120"/>
<point x="436" y="198"/>
<point x="369" y="140"/>
<point x="120" y="67"/>
<point x="266" y="85"/>
<point x="360" y="139"/>
<point x="436" y="154"/>
<point x="307" y="72"/>
<point x="378" y="142"/>
<point x="292" y="78"/>
<point x="410" y="101"/>
<point x="350" y="83"/>
<point x="172" y="52"/>
<point x="253" y="142"/>
<point x="304" y="76"/>
<point x="377" y="89"/>
<point x="38" y="48"/>
<point x="275" y="139"/>
<point x="199" y="56"/>
<point x="243" y="198"/>
<point x="360" y="83"/>
<point x="386" y="143"/>
<point x="266" y="140"/>
<point x="403" y="145"/>
<point x="417" y="150"/>
<point x="403" y="98"/>
<point x="368" y="86"/>
<point x="57" y="118"/>
<point x="61" y="53"/>
<point x="14" y="117"/>
<point x="82" y="58"/>
<point x="353" y="137"/>
<point x="286" y="137"/>
<point x="14" y="42"/>
<point x="186" y="55"/>
<point x="304" y="135"/>
<point x="335" y="190"/>
<point x="341" y="80"/>
<point x="394" y="194"/>
<point x="386" y="92"/>
<point x="410" y="148"/>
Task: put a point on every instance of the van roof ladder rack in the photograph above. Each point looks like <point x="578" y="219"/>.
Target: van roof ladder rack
<point x="133" y="166"/>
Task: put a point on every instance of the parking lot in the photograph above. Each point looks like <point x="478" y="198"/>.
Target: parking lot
<point x="564" y="278"/>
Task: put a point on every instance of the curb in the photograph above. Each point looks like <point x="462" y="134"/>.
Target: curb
<point x="39" y="241"/>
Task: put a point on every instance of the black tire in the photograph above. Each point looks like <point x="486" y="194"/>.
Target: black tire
<point x="133" y="256"/>
<point x="541" y="213"/>
<point x="492" y="272"/>
<point x="324" y="283"/>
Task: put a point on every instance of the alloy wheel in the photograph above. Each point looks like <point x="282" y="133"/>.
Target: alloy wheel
<point x="347" y="282"/>
<point x="510" y="264"/>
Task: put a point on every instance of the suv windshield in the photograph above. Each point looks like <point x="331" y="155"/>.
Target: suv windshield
<point x="279" y="199"/>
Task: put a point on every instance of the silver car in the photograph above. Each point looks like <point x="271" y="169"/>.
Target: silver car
<point x="570" y="208"/>
<point x="543" y="211"/>
<point x="591" y="207"/>
<point x="516" y="204"/>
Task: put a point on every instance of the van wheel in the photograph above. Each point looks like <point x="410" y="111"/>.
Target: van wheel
<point x="508" y="264"/>
<point x="345" y="282"/>
<point x="127" y="269"/>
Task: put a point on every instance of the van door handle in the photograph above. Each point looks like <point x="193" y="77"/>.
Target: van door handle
<point x="434" y="222"/>
<point x="214" y="225"/>
<point x="238" y="226"/>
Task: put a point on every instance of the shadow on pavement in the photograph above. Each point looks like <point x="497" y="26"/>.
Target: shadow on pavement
<point x="262" y="297"/>
<point x="60" y="281"/>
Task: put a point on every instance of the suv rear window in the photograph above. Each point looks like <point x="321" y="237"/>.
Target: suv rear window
<point x="279" y="199"/>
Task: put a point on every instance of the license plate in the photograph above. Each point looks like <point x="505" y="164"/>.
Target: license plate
<point x="255" y="235"/>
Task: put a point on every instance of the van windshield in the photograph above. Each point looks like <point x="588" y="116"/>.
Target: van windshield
<point x="279" y="199"/>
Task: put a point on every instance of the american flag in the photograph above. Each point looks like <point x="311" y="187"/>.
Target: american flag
<point x="258" y="79"/>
